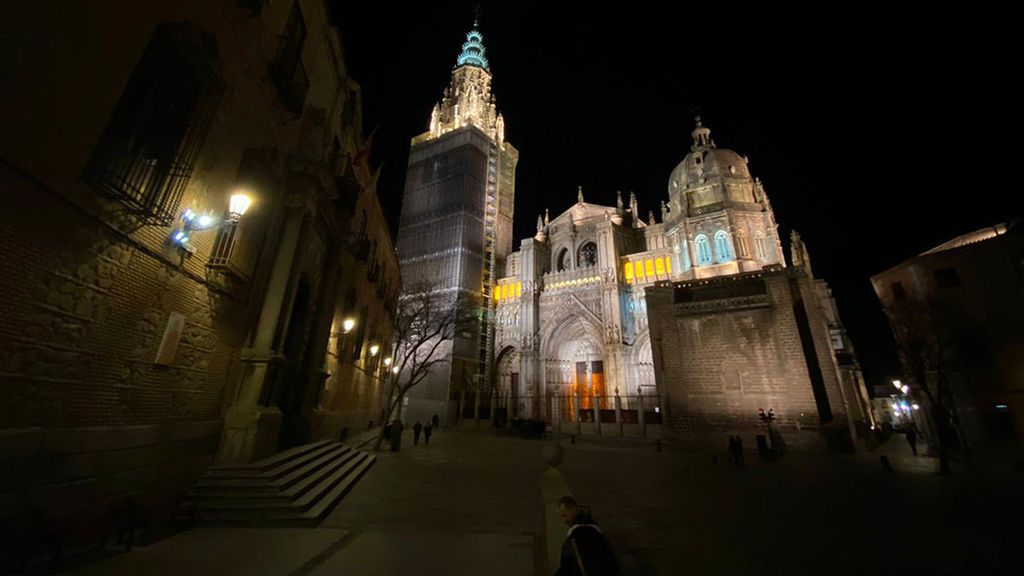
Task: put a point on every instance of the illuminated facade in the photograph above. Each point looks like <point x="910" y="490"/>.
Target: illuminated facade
<point x="574" y="315"/>
<point x="455" y="231"/>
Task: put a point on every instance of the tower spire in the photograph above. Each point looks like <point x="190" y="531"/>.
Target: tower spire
<point x="473" y="51"/>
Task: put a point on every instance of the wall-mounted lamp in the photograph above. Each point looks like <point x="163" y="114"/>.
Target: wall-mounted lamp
<point x="374" y="349"/>
<point x="347" y="325"/>
<point x="192" y="221"/>
<point x="387" y="361"/>
<point x="394" y="370"/>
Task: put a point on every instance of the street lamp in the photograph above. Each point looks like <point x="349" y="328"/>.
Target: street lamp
<point x="192" y="221"/>
<point x="347" y="325"/>
<point x="374" y="349"/>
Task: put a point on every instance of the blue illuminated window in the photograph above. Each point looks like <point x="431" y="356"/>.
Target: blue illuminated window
<point x="703" y="250"/>
<point x="723" y="248"/>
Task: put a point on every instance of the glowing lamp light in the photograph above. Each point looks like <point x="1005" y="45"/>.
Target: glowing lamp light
<point x="897" y="384"/>
<point x="205" y="221"/>
<point x="374" y="349"/>
<point x="347" y="325"/>
<point x="387" y="361"/>
<point x="238" y="205"/>
<point x="394" y="370"/>
<point x="916" y="406"/>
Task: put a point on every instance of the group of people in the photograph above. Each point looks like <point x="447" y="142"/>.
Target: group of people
<point x="393" y="432"/>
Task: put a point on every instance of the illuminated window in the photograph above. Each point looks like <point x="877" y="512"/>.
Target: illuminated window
<point x="703" y="250"/>
<point x="628" y="272"/>
<point x="639" y="271"/>
<point x="668" y="265"/>
<point x="723" y="248"/>
<point x="649" y="268"/>
<point x="659" y="266"/>
<point x="519" y="289"/>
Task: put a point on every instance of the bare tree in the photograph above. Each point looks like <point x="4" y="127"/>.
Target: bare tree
<point x="925" y="350"/>
<point x="427" y="320"/>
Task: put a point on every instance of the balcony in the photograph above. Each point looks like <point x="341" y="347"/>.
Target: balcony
<point x="574" y="278"/>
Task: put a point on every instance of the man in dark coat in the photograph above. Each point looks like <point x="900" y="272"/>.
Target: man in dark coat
<point x="427" y="431"/>
<point x="416" y="429"/>
<point x="396" y="435"/>
<point x="433" y="420"/>
<point x="585" y="552"/>
<point x="912" y="439"/>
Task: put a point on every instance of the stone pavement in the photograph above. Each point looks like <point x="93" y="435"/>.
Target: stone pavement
<point x="473" y="503"/>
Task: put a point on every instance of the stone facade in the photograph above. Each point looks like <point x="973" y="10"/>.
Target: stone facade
<point x="698" y="311"/>
<point x="127" y="348"/>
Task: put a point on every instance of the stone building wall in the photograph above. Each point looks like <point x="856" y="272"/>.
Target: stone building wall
<point x="724" y="348"/>
<point x="87" y="290"/>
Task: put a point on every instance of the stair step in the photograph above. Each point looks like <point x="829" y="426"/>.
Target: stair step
<point x="275" y="459"/>
<point x="259" y="485"/>
<point x="328" y="476"/>
<point x="300" y="511"/>
<point x="280" y="469"/>
<point x="296" y="517"/>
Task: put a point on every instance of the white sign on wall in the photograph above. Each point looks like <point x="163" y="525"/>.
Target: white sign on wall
<point x="169" y="344"/>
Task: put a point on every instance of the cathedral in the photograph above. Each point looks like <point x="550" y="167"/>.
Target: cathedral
<point x="581" y="313"/>
<point x="604" y="313"/>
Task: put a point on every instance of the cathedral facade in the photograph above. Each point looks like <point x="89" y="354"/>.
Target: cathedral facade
<point x="574" y="317"/>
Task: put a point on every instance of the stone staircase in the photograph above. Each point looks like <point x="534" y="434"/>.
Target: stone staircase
<point x="299" y="486"/>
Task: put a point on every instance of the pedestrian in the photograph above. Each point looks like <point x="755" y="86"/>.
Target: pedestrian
<point x="387" y="432"/>
<point x="732" y="449"/>
<point x="912" y="439"/>
<point x="739" y="451"/>
<point x="585" y="551"/>
<point x="434" y="420"/>
<point x="427" y="431"/>
<point x="396" y="435"/>
<point x="416" y="429"/>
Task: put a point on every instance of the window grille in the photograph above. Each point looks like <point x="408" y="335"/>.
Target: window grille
<point x="146" y="154"/>
<point x="287" y="70"/>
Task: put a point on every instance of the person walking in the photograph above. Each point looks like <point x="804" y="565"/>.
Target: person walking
<point x="732" y="451"/>
<point x="912" y="439"/>
<point x="740" y="459"/>
<point x="416" y="429"/>
<point x="434" y="420"/>
<point x="396" y="435"/>
<point x="585" y="551"/>
<point x="427" y="431"/>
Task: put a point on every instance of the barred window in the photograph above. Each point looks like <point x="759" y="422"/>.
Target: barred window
<point x="147" y="152"/>
<point x="287" y="70"/>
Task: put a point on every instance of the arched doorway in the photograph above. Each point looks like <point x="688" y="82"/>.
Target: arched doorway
<point x="574" y="369"/>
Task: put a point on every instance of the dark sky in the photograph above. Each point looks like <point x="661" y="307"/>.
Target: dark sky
<point x="877" y="134"/>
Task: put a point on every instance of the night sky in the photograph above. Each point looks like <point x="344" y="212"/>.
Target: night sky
<point x="877" y="135"/>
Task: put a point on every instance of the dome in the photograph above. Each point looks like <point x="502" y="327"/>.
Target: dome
<point x="707" y="164"/>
